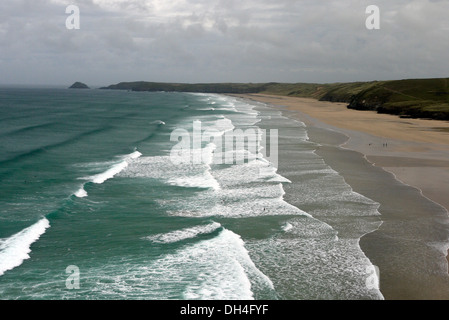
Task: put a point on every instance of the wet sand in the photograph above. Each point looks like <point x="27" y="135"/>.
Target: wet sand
<point x="416" y="151"/>
<point x="403" y="165"/>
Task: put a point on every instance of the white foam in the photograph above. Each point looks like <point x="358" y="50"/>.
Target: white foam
<point x="108" y="174"/>
<point x="183" y="175"/>
<point x="238" y="202"/>
<point x="183" y="234"/>
<point x="81" y="193"/>
<point x="219" y="268"/>
<point x="15" y="249"/>
<point x="207" y="153"/>
<point x="205" y="180"/>
<point x="256" y="171"/>
<point x="134" y="155"/>
<point x="224" y="267"/>
<point x="216" y="127"/>
<point x="287" y="227"/>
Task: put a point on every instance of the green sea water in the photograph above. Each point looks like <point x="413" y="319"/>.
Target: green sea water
<point x="93" y="207"/>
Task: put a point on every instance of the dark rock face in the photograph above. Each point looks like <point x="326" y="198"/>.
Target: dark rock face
<point x="78" y="85"/>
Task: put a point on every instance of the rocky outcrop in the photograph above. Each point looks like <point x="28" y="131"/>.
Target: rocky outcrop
<point x="79" y="85"/>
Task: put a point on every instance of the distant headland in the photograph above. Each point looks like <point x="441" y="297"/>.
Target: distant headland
<point x="79" y="85"/>
<point x="414" y="98"/>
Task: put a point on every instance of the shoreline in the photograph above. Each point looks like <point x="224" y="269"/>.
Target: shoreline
<point x="407" y="177"/>
<point x="414" y="158"/>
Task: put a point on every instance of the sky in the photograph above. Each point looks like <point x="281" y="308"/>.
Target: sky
<point x="196" y="41"/>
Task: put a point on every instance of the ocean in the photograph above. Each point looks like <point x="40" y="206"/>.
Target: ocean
<point x="97" y="203"/>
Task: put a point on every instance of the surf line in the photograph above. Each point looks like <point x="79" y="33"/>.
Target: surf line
<point x="15" y="249"/>
<point x="108" y="174"/>
<point x="227" y="143"/>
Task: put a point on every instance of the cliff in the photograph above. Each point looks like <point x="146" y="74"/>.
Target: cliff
<point x="417" y="98"/>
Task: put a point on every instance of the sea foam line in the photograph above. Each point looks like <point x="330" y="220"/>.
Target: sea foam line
<point x="15" y="249"/>
<point x="227" y="271"/>
<point x="204" y="179"/>
<point x="218" y="268"/>
<point x="184" y="234"/>
<point x="108" y="174"/>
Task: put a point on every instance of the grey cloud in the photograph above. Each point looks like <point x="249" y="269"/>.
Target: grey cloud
<point x="221" y="40"/>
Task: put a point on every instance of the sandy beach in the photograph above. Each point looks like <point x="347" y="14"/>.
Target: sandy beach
<point x="403" y="165"/>
<point x="416" y="151"/>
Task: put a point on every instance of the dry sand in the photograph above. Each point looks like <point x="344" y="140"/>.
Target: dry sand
<point x="416" y="151"/>
<point x="394" y="162"/>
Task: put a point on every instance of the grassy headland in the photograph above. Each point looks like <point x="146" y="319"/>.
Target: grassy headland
<point x="414" y="98"/>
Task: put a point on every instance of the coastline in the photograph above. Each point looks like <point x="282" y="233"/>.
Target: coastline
<point x="407" y="148"/>
<point x="405" y="171"/>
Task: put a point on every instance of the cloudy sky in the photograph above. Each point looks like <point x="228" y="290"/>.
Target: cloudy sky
<point x="221" y="41"/>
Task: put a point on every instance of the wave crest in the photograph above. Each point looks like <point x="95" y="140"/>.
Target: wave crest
<point x="15" y="249"/>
